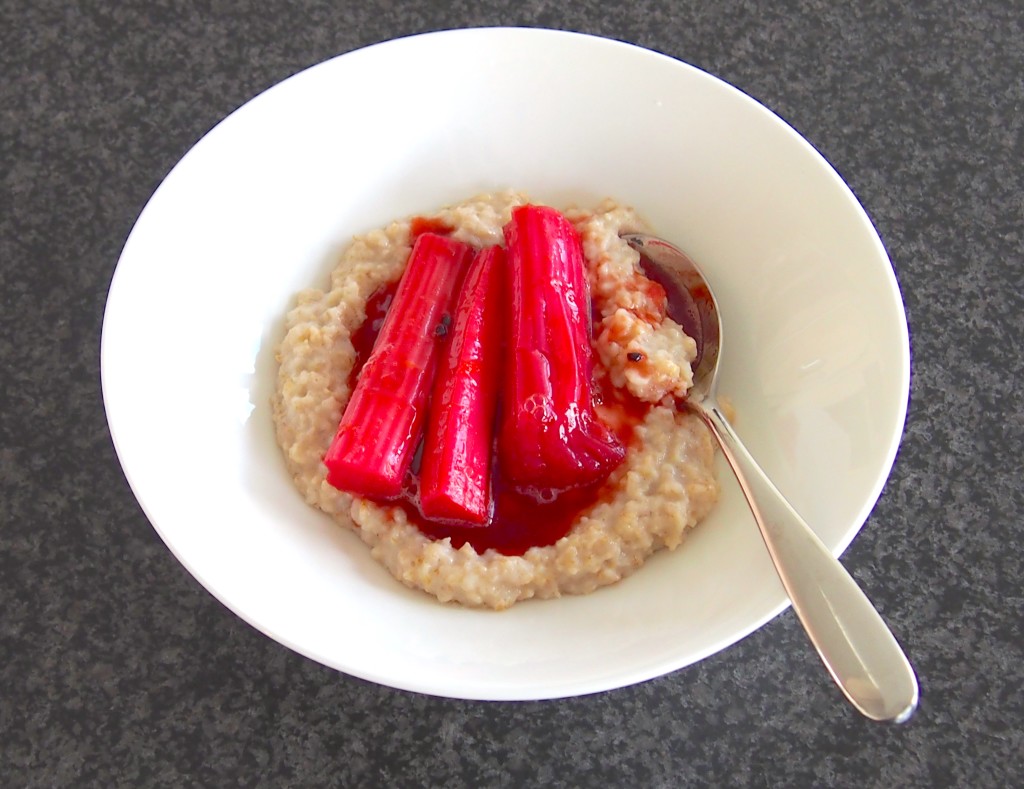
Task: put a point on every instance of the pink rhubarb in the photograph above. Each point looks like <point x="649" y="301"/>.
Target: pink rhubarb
<point x="550" y="436"/>
<point x="383" y="421"/>
<point x="455" y="475"/>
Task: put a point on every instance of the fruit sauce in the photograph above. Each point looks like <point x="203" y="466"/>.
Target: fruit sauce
<point x="519" y="519"/>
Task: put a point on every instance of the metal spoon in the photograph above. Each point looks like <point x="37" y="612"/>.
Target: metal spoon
<point x="857" y="648"/>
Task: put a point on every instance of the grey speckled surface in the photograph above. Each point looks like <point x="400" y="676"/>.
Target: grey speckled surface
<point x="117" y="669"/>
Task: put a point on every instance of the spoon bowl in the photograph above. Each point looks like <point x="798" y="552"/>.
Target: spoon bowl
<point x="856" y="646"/>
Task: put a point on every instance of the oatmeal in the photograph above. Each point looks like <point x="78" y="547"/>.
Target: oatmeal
<point x="662" y="488"/>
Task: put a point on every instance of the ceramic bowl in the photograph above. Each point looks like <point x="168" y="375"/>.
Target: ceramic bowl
<point x="816" y="363"/>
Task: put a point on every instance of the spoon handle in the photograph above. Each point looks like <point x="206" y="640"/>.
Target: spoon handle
<point x="857" y="647"/>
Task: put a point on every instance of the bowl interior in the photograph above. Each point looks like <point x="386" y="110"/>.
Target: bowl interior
<point x="815" y="354"/>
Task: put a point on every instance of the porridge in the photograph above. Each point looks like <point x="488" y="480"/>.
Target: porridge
<point x="643" y="472"/>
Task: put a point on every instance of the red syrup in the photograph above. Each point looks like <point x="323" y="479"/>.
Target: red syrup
<point x="421" y="224"/>
<point x="519" y="519"/>
<point x="365" y="336"/>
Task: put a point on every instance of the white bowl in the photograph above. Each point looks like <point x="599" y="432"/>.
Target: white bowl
<point x="817" y="360"/>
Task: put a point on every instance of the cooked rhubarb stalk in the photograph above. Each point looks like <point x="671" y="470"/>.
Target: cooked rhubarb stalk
<point x="384" y="418"/>
<point x="550" y="436"/>
<point x="455" y="475"/>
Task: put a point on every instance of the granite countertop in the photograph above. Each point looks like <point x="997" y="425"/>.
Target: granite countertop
<point x="118" y="669"/>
